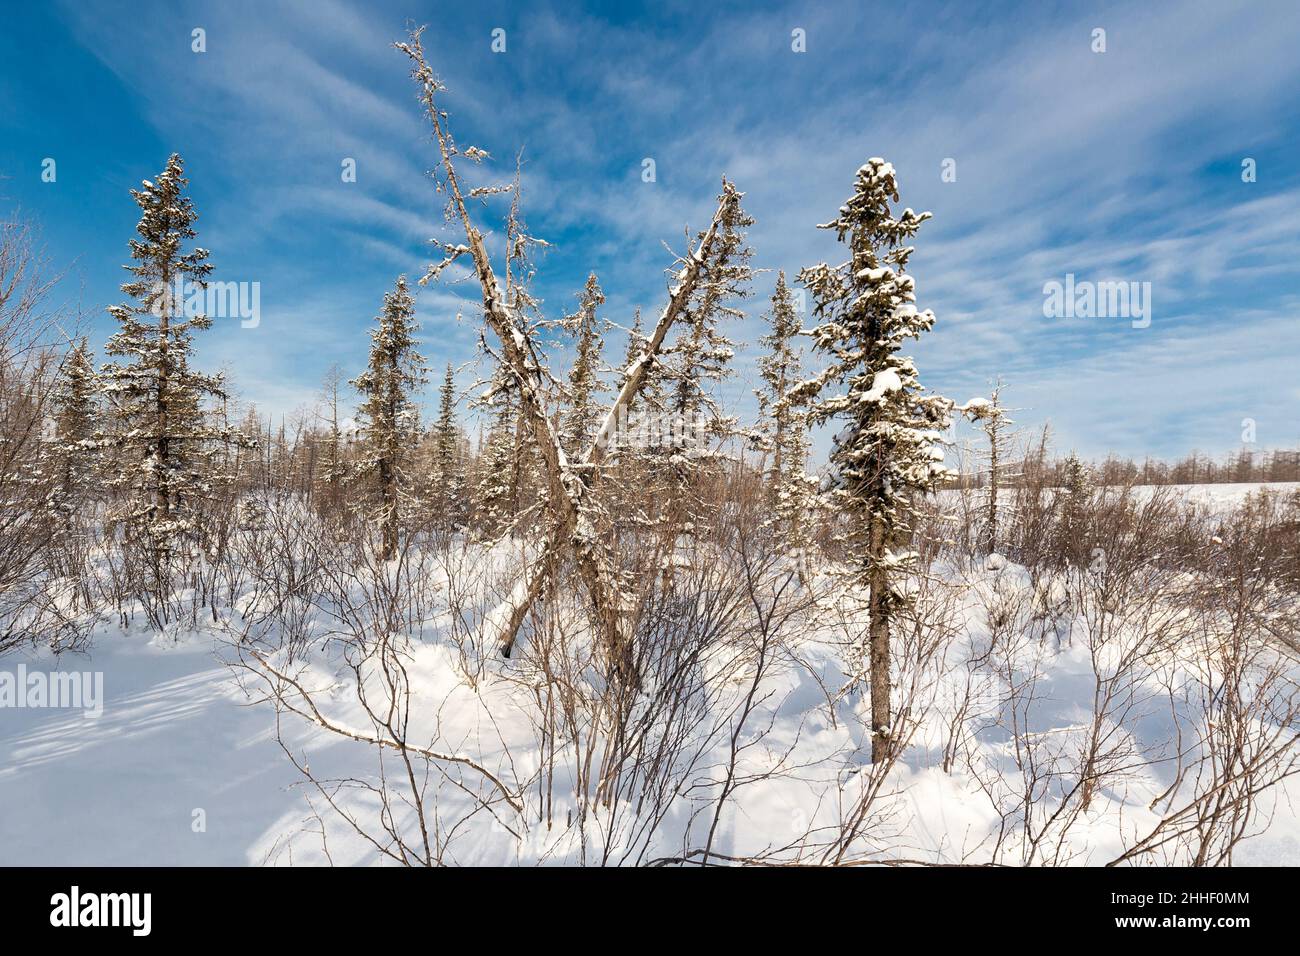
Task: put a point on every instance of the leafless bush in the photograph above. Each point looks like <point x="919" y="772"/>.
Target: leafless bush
<point x="378" y="614"/>
<point x="30" y="339"/>
<point x="1238" y="681"/>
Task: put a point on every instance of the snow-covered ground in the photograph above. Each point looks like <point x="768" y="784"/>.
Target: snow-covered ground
<point x="1229" y="495"/>
<point x="122" y="788"/>
<point x="1218" y="497"/>
<point x="183" y="768"/>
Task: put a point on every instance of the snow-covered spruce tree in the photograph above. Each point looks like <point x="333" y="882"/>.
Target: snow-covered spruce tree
<point x="388" y="416"/>
<point x="446" y="458"/>
<point x="581" y="416"/>
<point x="76" y="422"/>
<point x="635" y="346"/>
<point x="643" y="412"/>
<point x="1073" y="508"/>
<point x="506" y="477"/>
<point x="783" y="429"/>
<point x="887" y="450"/>
<point x="650" y="397"/>
<point x="165" y="446"/>
<point x="494" y="495"/>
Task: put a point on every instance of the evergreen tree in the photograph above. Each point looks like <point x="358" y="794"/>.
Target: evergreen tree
<point x="168" y="447"/>
<point x="389" y="416"/>
<point x="636" y="344"/>
<point x="582" y="417"/>
<point x="1074" y="499"/>
<point x="783" y="432"/>
<point x="251" y="465"/>
<point x="702" y="358"/>
<point x="888" y="449"/>
<point x="76" y="422"/>
<point x="446" y="460"/>
<point x="636" y="431"/>
<point x="496" y="494"/>
<point x="650" y="399"/>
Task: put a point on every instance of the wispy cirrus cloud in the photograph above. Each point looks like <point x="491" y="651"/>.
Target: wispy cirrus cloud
<point x="1123" y="164"/>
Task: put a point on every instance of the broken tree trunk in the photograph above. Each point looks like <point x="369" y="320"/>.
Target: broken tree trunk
<point x="634" y="378"/>
<point x="568" y="486"/>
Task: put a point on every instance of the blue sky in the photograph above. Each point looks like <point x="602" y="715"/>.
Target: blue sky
<point x="1122" y="165"/>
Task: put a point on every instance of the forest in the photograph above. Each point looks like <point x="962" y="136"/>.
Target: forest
<point x="587" y="613"/>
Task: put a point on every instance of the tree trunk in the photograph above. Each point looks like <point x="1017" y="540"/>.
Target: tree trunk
<point x="994" y="466"/>
<point x="389" y="548"/>
<point x="878" y="644"/>
<point x="162" y="480"/>
<point x="539" y="573"/>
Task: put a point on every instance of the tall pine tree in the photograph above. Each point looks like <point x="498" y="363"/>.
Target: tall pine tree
<point x="496" y="492"/>
<point x="446" y="457"/>
<point x="167" y="447"/>
<point x="783" y="432"/>
<point x="582" y="417"/>
<point x="888" y="448"/>
<point x="76" y="422"/>
<point x="388" y="414"/>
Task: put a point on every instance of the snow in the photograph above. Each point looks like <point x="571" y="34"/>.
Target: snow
<point x="884" y="382"/>
<point x="1223" y="497"/>
<point x="121" y="789"/>
<point x="178" y="736"/>
<point x="1219" y="498"/>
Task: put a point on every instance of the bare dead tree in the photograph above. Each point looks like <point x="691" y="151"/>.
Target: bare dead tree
<point x="568" y="483"/>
